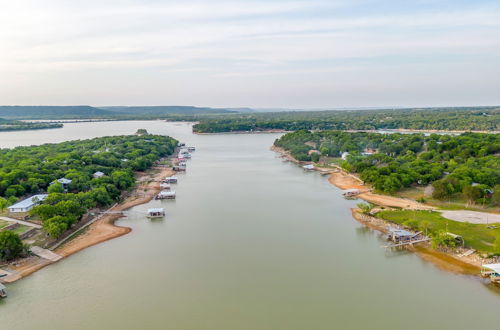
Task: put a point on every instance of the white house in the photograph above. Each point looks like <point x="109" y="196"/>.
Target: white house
<point x="27" y="204"/>
<point x="98" y="175"/>
<point x="344" y="155"/>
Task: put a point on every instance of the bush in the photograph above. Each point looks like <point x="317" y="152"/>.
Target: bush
<point x="442" y="240"/>
<point x="11" y="245"/>
<point x="412" y="224"/>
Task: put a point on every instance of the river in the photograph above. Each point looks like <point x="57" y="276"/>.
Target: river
<point x="251" y="242"/>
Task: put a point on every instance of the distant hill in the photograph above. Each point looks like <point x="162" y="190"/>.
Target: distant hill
<point x="54" y="112"/>
<point x="167" y="110"/>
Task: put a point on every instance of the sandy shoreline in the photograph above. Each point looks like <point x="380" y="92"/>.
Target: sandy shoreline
<point x="102" y="230"/>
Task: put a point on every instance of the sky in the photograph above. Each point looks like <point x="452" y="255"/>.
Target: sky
<point x="262" y="53"/>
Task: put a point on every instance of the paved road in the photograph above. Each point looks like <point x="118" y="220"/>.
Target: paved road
<point x="471" y="216"/>
<point x="21" y="222"/>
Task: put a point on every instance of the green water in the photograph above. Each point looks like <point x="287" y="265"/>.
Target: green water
<point x="250" y="243"/>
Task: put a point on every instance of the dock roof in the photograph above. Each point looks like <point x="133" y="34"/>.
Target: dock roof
<point x="156" y="210"/>
<point x="493" y="267"/>
<point x="400" y="232"/>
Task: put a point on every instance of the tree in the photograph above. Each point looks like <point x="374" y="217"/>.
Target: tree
<point x="55" y="188"/>
<point x="55" y="226"/>
<point x="442" y="239"/>
<point x="11" y="245"/>
<point x="425" y="226"/>
<point x="472" y="193"/>
<point x="3" y="204"/>
<point x="365" y="208"/>
<point x="495" y="198"/>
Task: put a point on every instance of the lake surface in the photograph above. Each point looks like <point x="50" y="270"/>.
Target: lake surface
<point x="250" y="243"/>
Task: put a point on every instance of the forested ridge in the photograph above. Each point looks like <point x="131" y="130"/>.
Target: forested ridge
<point x="25" y="171"/>
<point x="476" y="119"/>
<point x="467" y="164"/>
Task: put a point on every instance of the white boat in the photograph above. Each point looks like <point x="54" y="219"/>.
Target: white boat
<point x="3" y="293"/>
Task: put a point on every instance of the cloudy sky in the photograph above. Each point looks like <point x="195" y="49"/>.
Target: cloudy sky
<point x="263" y="53"/>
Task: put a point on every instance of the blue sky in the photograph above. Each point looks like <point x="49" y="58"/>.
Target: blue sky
<point x="274" y="53"/>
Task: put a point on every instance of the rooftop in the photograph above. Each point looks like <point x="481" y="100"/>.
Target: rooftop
<point x="493" y="267"/>
<point x="28" y="201"/>
<point x="156" y="210"/>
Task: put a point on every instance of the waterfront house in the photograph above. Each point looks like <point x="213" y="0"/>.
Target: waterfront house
<point x="156" y="213"/>
<point x="98" y="175"/>
<point x="492" y="271"/>
<point x="27" y="204"/>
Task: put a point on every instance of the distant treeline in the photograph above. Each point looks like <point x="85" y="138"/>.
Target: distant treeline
<point x="14" y="125"/>
<point x="476" y="119"/>
<point x="467" y="164"/>
<point x="88" y="112"/>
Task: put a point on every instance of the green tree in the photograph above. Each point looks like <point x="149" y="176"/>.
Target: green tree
<point x="365" y="208"/>
<point x="55" y="226"/>
<point x="55" y="188"/>
<point x="11" y="245"/>
<point x="495" y="198"/>
<point x="472" y="193"/>
<point x="3" y="204"/>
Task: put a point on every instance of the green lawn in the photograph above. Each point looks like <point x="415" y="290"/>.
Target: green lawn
<point x="478" y="237"/>
<point x="3" y="224"/>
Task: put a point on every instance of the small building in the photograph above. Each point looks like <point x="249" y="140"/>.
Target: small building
<point x="166" y="194"/>
<point x="492" y="271"/>
<point x="156" y="213"/>
<point x="399" y="235"/>
<point x="344" y="155"/>
<point x="308" y="167"/>
<point x="98" y="175"/>
<point x="27" y="204"/>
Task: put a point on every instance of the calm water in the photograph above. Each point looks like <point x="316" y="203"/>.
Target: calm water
<point x="250" y="243"/>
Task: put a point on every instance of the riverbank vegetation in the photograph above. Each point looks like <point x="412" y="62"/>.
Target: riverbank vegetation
<point x="466" y="165"/>
<point x="462" y="119"/>
<point x="26" y="171"/>
<point x="481" y="237"/>
<point x="14" y="125"/>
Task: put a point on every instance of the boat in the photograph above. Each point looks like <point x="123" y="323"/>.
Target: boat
<point x="170" y="179"/>
<point x="156" y="213"/>
<point x="165" y="186"/>
<point x="3" y="293"/>
<point x="492" y="271"/>
<point x="190" y="149"/>
<point x="166" y="194"/>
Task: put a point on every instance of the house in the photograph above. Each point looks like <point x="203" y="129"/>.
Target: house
<point x="400" y="235"/>
<point x="344" y="155"/>
<point x="369" y="152"/>
<point x="27" y="204"/>
<point x="98" y="175"/>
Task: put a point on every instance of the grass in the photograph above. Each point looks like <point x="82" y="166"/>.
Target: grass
<point x="476" y="236"/>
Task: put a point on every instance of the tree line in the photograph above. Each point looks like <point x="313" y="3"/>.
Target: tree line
<point x="466" y="119"/>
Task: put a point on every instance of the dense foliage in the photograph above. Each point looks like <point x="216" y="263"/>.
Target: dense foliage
<point x="30" y="170"/>
<point x="466" y="163"/>
<point x="480" y="119"/>
<point x="14" y="125"/>
<point x="11" y="245"/>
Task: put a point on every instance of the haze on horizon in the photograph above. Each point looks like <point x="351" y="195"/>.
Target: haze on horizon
<point x="263" y="53"/>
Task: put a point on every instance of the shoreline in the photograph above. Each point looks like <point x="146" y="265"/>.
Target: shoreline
<point x="445" y="261"/>
<point x="101" y="230"/>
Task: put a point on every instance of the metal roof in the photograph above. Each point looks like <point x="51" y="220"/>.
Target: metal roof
<point x="64" y="181"/>
<point x="28" y="202"/>
<point x="400" y="232"/>
<point x="167" y="193"/>
<point x="493" y="267"/>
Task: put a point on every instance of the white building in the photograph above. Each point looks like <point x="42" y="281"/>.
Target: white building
<point x="27" y="204"/>
<point x="344" y="155"/>
<point x="98" y="175"/>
